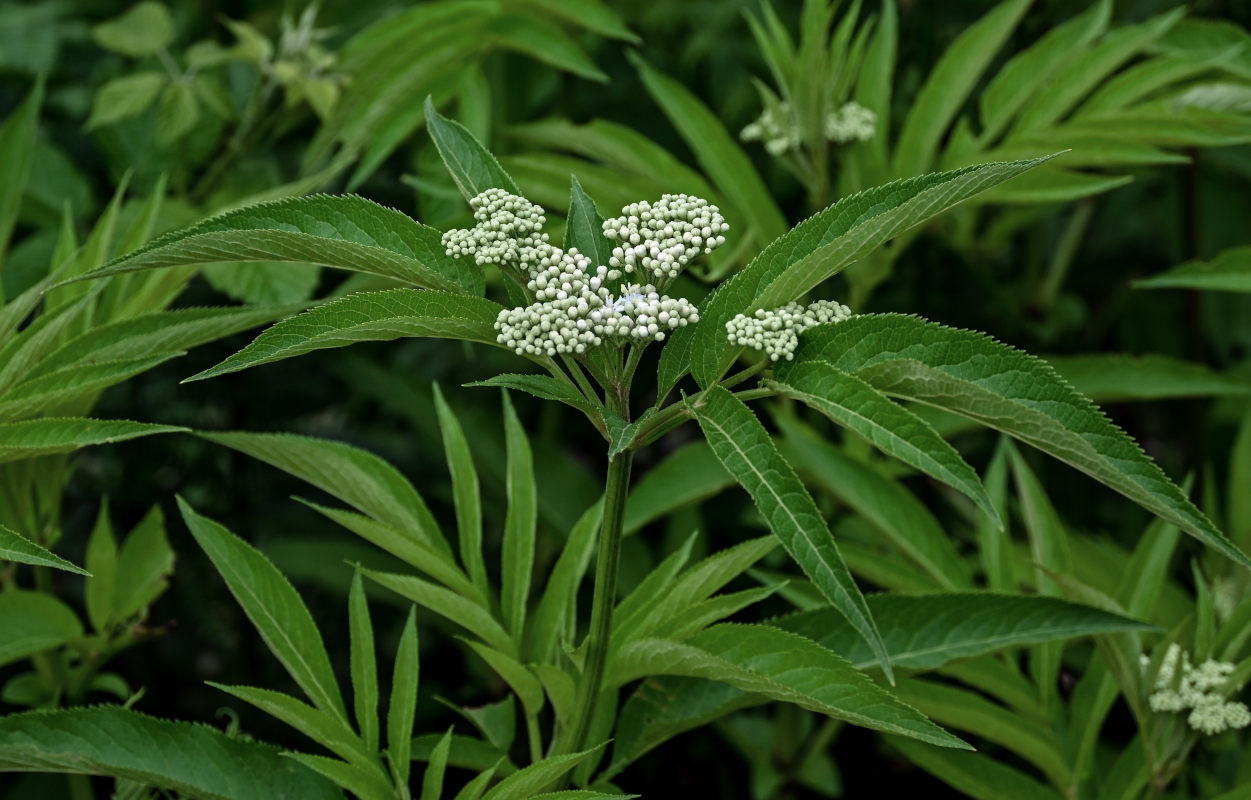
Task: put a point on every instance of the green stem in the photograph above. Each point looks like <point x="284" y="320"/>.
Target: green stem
<point x="80" y="787"/>
<point x="605" y="597"/>
<point x="535" y="737"/>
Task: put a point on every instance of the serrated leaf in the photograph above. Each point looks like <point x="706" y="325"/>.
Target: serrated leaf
<point x="826" y="243"/>
<point x="536" y="777"/>
<point x="948" y="85"/>
<point x="344" y="232"/>
<point x="891" y="428"/>
<point x="321" y="727"/>
<point x="466" y="613"/>
<point x="465" y="493"/>
<point x="590" y="14"/>
<point x="520" y="679"/>
<point x="144" y="29"/>
<point x="521" y="519"/>
<point x="60" y="390"/>
<point x="743" y="446"/>
<point x="432" y="780"/>
<point x="974" y="774"/>
<point x="31" y="622"/>
<point x="144" y="564"/>
<point x="367" y="317"/>
<point x="544" y="387"/>
<point x="562" y="586"/>
<point x="402" y="709"/>
<point x="16" y="547"/>
<point x="1112" y="377"/>
<point x="886" y="505"/>
<point x="196" y="760"/>
<point x="364" y="664"/>
<point x="357" y="477"/>
<point x="17" y="142"/>
<point x="999" y="386"/>
<point x="472" y="166"/>
<point x="533" y="35"/>
<point x="924" y="632"/>
<point x="274" y="607"/>
<point x="361" y="782"/>
<point x="782" y="666"/>
<point x="41" y="437"/>
<point x="720" y="156"/>
<point x="584" y="227"/>
<point x="1228" y="272"/>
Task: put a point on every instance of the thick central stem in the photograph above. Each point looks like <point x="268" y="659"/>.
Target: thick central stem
<point x="605" y="598"/>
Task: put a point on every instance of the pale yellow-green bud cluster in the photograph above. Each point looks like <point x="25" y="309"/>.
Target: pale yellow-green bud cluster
<point x="778" y="128"/>
<point x="663" y="237"/>
<point x="851" y="123"/>
<point x="509" y="233"/>
<point x="776" y="332"/>
<point x="1179" y="686"/>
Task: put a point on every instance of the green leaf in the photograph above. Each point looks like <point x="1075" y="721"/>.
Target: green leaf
<point x="402" y="709"/>
<point x="533" y="35"/>
<point x="688" y="475"/>
<point x="144" y="565"/>
<point x="1228" y="272"/>
<point x="590" y="14"/>
<point x="560" y="593"/>
<point x="722" y="159"/>
<point x="1112" y="377"/>
<point x="141" y="31"/>
<point x="42" y="437"/>
<point x="885" y="504"/>
<point x="465" y="493"/>
<point x="274" y="607"/>
<point x="64" y="388"/>
<point x="101" y="590"/>
<point x="323" y="728"/>
<point x="464" y="612"/>
<point x="195" y="760"/>
<point x="177" y="113"/>
<point x="17" y="143"/>
<point x="156" y="334"/>
<point x="264" y="282"/>
<point x="367" y="317"/>
<point x="782" y="666"/>
<point x="364" y="664"/>
<point x="584" y="227"/>
<point x="432" y="780"/>
<point x="924" y="632"/>
<point x="31" y="622"/>
<point x="974" y="774"/>
<point x="344" y="232"/>
<point x="472" y="166"/>
<point x="520" y="679"/>
<point x="948" y="85"/>
<point x="528" y="781"/>
<point x="357" y="477"/>
<point x="517" y="554"/>
<point x="826" y="243"/>
<point x="743" y="446"/>
<point x="999" y="386"/>
<point x="16" y="547"/>
<point x="545" y="387"/>
<point x="891" y="428"/>
<point x="361" y="782"/>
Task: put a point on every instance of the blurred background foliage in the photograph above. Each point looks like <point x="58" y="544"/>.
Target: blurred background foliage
<point x="226" y="101"/>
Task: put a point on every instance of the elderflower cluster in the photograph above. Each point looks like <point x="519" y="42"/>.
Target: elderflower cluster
<point x="851" y="123"/>
<point x="663" y="237"/>
<point x="777" y="332"/>
<point x="1180" y="685"/>
<point x="779" y="130"/>
<point x="509" y="233"/>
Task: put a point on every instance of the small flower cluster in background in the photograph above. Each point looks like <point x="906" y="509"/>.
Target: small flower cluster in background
<point x="776" y="332"/>
<point x="779" y="130"/>
<point x="1180" y="685"/>
<point x="574" y="309"/>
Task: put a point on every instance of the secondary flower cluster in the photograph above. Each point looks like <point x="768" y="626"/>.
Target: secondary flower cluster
<point x="663" y="237"/>
<point x="778" y="129"/>
<point x="1180" y="685"/>
<point x="776" y="332"/>
<point x="574" y="308"/>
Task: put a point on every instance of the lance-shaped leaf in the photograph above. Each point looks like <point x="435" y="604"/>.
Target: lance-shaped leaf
<point x="16" y="547"/>
<point x="344" y="232"/>
<point x="31" y="622"/>
<point x="68" y="386"/>
<point x="924" y="632"/>
<point x="472" y="166"/>
<point x="782" y="666"/>
<point x="274" y="607"/>
<point x="1113" y="377"/>
<point x="584" y="228"/>
<point x="743" y="446"/>
<point x="534" y="778"/>
<point x="890" y="427"/>
<point x="975" y="376"/>
<point x="42" y="437"/>
<point x="826" y="243"/>
<point x="520" y="521"/>
<point x="1228" y="272"/>
<point x="542" y="386"/>
<point x="975" y="775"/>
<point x="357" y="477"/>
<point x="367" y="317"/>
<point x="194" y="760"/>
